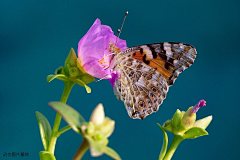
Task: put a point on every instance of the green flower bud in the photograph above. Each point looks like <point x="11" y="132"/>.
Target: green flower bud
<point x="71" y="58"/>
<point x="189" y="117"/>
<point x="70" y="61"/>
<point x="73" y="71"/>
<point x="188" y="120"/>
<point x="182" y="113"/>
<point x="176" y="120"/>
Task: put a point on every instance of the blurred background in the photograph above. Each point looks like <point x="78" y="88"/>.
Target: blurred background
<point x="36" y="37"/>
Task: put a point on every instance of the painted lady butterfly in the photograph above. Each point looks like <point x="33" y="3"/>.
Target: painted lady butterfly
<point x="146" y="72"/>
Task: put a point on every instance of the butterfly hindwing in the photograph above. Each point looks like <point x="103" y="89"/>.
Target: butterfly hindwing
<point x="140" y="87"/>
<point x="147" y="71"/>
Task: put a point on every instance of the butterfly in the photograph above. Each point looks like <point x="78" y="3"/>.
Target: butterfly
<point x="146" y="73"/>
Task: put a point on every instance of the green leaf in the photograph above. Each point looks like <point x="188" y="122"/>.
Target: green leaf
<point x="45" y="155"/>
<point x="87" y="78"/>
<point x="194" y="133"/>
<point x="81" y="83"/>
<point x="59" y="70"/>
<point x="64" y="129"/>
<point x="70" y="115"/>
<point x="61" y="77"/>
<point x="111" y="153"/>
<point x="168" y="126"/>
<point x="96" y="148"/>
<point x="45" y="129"/>
<point x="165" y="143"/>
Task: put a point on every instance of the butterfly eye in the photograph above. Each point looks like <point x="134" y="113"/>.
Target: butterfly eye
<point x="141" y="103"/>
<point x="154" y="89"/>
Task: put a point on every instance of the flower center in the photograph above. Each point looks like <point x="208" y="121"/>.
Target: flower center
<point x="104" y="61"/>
<point x="113" y="49"/>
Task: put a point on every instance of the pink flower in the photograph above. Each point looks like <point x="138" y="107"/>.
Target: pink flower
<point x="93" y="51"/>
<point x="201" y="103"/>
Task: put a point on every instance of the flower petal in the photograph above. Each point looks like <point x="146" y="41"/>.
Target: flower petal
<point x="95" y="69"/>
<point x="93" y="51"/>
<point x="114" y="77"/>
<point x="94" y="43"/>
<point x="96" y="149"/>
<point x="108" y="128"/>
<point x="203" y="123"/>
<point x="98" y="115"/>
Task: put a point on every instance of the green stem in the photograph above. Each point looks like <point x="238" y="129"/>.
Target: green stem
<point x="67" y="89"/>
<point x="81" y="150"/>
<point x="176" y="141"/>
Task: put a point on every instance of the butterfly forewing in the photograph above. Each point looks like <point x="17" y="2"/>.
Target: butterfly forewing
<point x="147" y="71"/>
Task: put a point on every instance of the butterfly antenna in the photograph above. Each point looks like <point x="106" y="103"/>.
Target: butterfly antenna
<point x="101" y="78"/>
<point x="119" y="31"/>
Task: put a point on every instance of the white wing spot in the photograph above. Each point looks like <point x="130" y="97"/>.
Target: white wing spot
<point x="175" y="62"/>
<point x="181" y="45"/>
<point x="148" y="52"/>
<point x="167" y="48"/>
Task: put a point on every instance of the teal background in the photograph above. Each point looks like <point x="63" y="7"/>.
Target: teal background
<point x="36" y="37"/>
